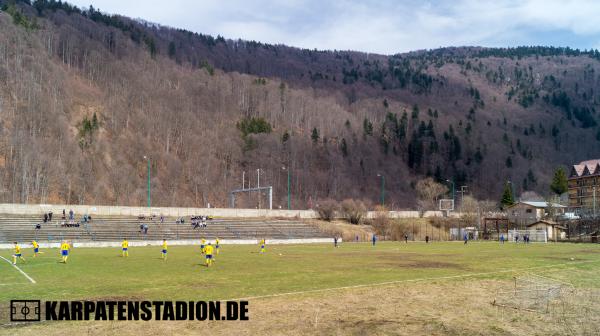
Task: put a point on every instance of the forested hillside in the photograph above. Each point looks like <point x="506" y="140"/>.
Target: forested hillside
<point x="84" y="96"/>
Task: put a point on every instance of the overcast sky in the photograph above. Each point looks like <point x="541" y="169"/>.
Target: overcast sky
<point x="384" y="26"/>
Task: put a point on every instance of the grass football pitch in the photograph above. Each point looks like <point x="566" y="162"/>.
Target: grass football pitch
<point x="309" y="274"/>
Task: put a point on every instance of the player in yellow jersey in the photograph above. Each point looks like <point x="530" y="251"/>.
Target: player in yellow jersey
<point x="208" y="250"/>
<point x="217" y="245"/>
<point x="36" y="248"/>
<point x="262" y="246"/>
<point x="64" y="251"/>
<point x="125" y="248"/>
<point x="164" y="250"/>
<point x="17" y="254"/>
<point x="202" y="245"/>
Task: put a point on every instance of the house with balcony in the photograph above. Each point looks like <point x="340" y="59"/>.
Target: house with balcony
<point x="584" y="183"/>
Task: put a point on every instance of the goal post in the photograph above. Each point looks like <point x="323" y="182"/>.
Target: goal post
<point x="539" y="236"/>
<point x="269" y="191"/>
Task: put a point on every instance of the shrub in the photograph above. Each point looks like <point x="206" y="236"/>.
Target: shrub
<point x="354" y="210"/>
<point x="327" y="209"/>
<point x="381" y="220"/>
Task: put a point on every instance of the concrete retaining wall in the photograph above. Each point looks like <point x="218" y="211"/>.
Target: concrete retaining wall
<point x="180" y="242"/>
<point x="102" y="210"/>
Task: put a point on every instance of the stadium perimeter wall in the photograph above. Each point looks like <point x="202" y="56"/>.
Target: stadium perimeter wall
<point x="134" y="243"/>
<point x="103" y="210"/>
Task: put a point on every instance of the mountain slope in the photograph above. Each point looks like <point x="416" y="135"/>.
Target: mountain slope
<point x="199" y="106"/>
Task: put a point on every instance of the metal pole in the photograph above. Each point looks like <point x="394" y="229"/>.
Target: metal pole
<point x="289" y="196"/>
<point x="149" y="201"/>
<point x="243" y="179"/>
<point x="382" y="190"/>
<point x="258" y="186"/>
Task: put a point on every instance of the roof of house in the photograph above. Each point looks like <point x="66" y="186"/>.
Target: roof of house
<point x="547" y="222"/>
<point x="589" y="167"/>
<point x="538" y="204"/>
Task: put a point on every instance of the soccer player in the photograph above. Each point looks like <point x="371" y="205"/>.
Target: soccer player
<point x="374" y="239"/>
<point x="262" y="245"/>
<point x="36" y="248"/>
<point x="164" y="250"/>
<point x="202" y="244"/>
<point x="17" y="254"/>
<point x="217" y="245"/>
<point x="125" y="248"/>
<point x="64" y="251"/>
<point x="209" y="254"/>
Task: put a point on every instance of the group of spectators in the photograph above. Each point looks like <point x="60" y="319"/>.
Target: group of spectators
<point x="199" y="221"/>
<point x="68" y="219"/>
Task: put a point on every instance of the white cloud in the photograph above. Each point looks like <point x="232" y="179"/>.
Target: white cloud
<point x="385" y="26"/>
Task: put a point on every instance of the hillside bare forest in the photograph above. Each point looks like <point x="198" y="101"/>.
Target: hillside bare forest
<point x="84" y="96"/>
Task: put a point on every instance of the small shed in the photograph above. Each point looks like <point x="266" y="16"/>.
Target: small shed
<point x="553" y="230"/>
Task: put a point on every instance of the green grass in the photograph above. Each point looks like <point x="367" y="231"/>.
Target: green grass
<point x="239" y="271"/>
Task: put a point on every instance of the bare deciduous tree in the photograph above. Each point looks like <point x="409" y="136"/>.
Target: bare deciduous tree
<point x="429" y="193"/>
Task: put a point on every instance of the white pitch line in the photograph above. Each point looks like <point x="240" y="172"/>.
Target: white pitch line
<point x="18" y="269"/>
<point x="405" y="281"/>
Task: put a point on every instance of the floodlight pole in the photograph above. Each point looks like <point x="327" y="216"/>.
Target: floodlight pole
<point x="382" y="189"/>
<point x="289" y="194"/>
<point x="452" y="190"/>
<point x="148" y="159"/>
<point x="288" y="187"/>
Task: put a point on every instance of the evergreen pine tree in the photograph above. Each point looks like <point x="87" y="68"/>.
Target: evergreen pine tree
<point x="315" y="135"/>
<point x="507" y="196"/>
<point x="559" y="183"/>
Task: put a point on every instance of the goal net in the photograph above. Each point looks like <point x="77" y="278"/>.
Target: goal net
<point x="532" y="292"/>
<point x="538" y="236"/>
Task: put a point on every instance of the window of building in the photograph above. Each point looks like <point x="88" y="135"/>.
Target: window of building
<point x="529" y="211"/>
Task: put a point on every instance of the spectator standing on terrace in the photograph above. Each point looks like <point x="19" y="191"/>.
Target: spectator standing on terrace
<point x="64" y="216"/>
<point x="50" y="216"/>
<point x="71" y="215"/>
<point x="45" y="217"/>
